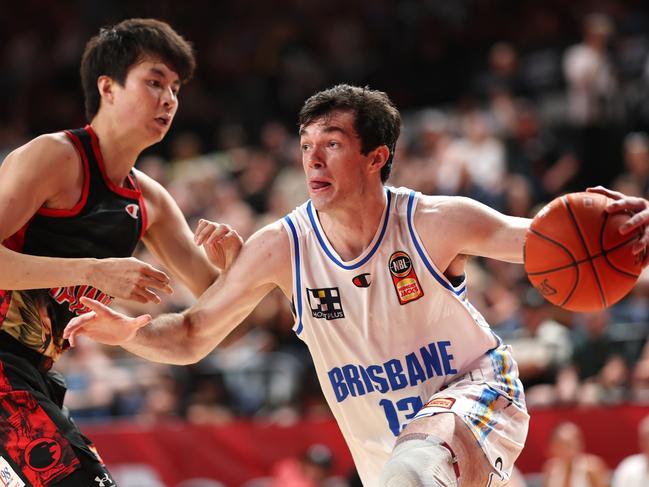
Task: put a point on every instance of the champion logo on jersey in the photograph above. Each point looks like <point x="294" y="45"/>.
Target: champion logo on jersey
<point x="404" y="278"/>
<point x="325" y="303"/>
<point x="362" y="280"/>
<point x="132" y="210"/>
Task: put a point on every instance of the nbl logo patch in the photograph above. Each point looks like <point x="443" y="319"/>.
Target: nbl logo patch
<point x="404" y="278"/>
<point x="325" y="303"/>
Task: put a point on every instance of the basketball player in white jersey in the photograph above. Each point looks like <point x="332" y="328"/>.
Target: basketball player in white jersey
<point x="424" y="392"/>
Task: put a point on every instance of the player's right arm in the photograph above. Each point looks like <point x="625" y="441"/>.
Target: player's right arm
<point x="46" y="172"/>
<point x="181" y="338"/>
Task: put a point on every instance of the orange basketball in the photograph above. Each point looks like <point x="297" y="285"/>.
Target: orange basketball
<point x="575" y="255"/>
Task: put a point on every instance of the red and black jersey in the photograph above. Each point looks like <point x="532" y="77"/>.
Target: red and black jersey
<point x="108" y="221"/>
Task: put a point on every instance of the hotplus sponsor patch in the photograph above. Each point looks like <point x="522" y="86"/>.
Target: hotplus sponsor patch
<point x="325" y="303"/>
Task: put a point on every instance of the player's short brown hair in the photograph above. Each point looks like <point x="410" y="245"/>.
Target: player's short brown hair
<point x="115" y="49"/>
<point x="376" y="119"/>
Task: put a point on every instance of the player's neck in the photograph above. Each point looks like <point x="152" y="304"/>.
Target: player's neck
<point x="119" y="152"/>
<point x="351" y="229"/>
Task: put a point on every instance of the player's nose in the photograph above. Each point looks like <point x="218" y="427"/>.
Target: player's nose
<point x="316" y="158"/>
<point x="169" y="99"/>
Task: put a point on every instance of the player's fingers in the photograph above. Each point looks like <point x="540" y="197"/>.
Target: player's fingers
<point x="204" y="235"/>
<point x="629" y="203"/>
<point x="94" y="305"/>
<point x="638" y="248"/>
<point x="141" y="321"/>
<point x="218" y="235"/>
<point x="200" y="226"/>
<point x="145" y="295"/>
<point x="72" y="339"/>
<point x="78" y="322"/>
<point x="203" y="231"/>
<point x="232" y="239"/>
<point x="151" y="283"/>
<point x="635" y="221"/>
<point x="606" y="192"/>
<point x="156" y="274"/>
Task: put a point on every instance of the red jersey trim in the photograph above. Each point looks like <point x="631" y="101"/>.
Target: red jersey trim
<point x="17" y="240"/>
<point x="128" y="193"/>
<point x="86" y="184"/>
<point x="145" y="220"/>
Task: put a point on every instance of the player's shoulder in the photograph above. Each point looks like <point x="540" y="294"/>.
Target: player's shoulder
<point x="150" y="186"/>
<point x="266" y="257"/>
<point x="441" y="205"/>
<point x="46" y="150"/>
<point x="272" y="235"/>
<point x="47" y="153"/>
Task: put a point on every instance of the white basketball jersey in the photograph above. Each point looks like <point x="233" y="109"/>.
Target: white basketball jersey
<point x="386" y="330"/>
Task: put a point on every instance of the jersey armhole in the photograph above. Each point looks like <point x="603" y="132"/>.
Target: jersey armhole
<point x="289" y="226"/>
<point x="59" y="212"/>
<point x="460" y="290"/>
<point x="132" y="177"/>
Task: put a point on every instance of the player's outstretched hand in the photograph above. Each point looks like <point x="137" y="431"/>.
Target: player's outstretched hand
<point x="221" y="242"/>
<point x="129" y="278"/>
<point x="639" y="207"/>
<point x="103" y="324"/>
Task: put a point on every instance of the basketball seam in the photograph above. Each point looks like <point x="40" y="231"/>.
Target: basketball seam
<point x="566" y="202"/>
<point x="549" y="239"/>
<point x="577" y="262"/>
<point x="615" y="247"/>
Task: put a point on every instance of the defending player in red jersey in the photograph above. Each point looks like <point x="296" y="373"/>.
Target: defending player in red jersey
<point x="72" y="210"/>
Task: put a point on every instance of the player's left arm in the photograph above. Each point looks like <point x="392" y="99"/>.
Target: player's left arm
<point x="196" y="259"/>
<point x="452" y="226"/>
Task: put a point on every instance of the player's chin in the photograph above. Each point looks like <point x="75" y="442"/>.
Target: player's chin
<point x="320" y="201"/>
<point x="158" y="131"/>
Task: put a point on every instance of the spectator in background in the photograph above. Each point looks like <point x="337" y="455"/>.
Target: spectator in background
<point x="478" y="160"/>
<point x="598" y="360"/>
<point x="569" y="465"/>
<point x="539" y="154"/>
<point x="594" y="101"/>
<point x="311" y="469"/>
<point x="541" y="346"/>
<point x="633" y="471"/>
<point x="503" y="74"/>
<point x="635" y="178"/>
<point x="592" y="82"/>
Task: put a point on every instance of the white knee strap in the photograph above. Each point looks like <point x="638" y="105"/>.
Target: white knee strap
<point x="420" y="460"/>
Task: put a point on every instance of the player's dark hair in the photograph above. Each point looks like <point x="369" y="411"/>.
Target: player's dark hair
<point x="376" y="119"/>
<point x="115" y="49"/>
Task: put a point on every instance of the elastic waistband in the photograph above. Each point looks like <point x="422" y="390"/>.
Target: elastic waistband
<point x="9" y="344"/>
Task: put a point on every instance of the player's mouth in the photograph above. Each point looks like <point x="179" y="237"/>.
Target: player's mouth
<point x="316" y="185"/>
<point x="163" y="121"/>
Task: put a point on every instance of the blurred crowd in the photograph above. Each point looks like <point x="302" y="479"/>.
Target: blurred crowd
<point x="561" y="103"/>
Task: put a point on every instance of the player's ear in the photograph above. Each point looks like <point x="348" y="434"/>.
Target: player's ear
<point x="105" y="85"/>
<point x="379" y="157"/>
